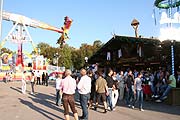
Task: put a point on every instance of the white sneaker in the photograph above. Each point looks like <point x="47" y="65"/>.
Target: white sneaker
<point x="132" y="107"/>
<point x="158" y="101"/>
<point x="165" y="97"/>
<point x="141" y="109"/>
<point x="156" y="96"/>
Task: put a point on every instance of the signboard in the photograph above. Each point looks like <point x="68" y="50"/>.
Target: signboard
<point x="6" y="62"/>
<point x="39" y="63"/>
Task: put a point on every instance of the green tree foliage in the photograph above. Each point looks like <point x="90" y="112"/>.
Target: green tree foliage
<point x="6" y="50"/>
<point x="85" y="50"/>
<point x="77" y="59"/>
<point x="65" y="56"/>
<point x="69" y="56"/>
<point x="97" y="45"/>
<point x="44" y="49"/>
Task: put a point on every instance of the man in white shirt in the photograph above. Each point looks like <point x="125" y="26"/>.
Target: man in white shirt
<point x="38" y="75"/>
<point x="58" y="91"/>
<point x="84" y="89"/>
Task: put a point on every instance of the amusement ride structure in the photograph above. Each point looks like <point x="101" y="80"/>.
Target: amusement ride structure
<point x="20" y="34"/>
<point x="170" y="16"/>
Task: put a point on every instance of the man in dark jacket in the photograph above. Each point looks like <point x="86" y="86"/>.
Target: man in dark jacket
<point x="110" y="84"/>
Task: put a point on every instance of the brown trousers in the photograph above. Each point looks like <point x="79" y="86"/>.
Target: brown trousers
<point x="68" y="100"/>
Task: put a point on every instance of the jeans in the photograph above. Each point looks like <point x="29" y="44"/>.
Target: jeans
<point x="32" y="86"/>
<point x="166" y="92"/>
<point x="84" y="98"/>
<point x="109" y="98"/>
<point x="58" y="97"/>
<point x="139" y="98"/>
<point x="128" y="96"/>
<point x="163" y="88"/>
<point x="121" y="93"/>
<point x="46" y="82"/>
<point x="115" y="95"/>
<point x="38" y="81"/>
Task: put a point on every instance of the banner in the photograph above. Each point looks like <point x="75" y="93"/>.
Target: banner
<point x="6" y="62"/>
<point x="108" y="56"/>
<point x="39" y="63"/>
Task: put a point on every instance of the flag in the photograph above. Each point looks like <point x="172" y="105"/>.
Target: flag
<point x="108" y="56"/>
<point x="119" y="53"/>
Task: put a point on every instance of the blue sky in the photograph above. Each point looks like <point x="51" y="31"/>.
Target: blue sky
<point x="92" y="19"/>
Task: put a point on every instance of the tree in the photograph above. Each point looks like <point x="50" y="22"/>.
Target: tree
<point x="85" y="50"/>
<point x="65" y="56"/>
<point x="6" y="50"/>
<point x="77" y="59"/>
<point x="44" y="48"/>
<point x="97" y="45"/>
<point x="69" y="56"/>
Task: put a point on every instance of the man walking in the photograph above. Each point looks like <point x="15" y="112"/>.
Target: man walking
<point x="121" y="85"/>
<point x="58" y="91"/>
<point x="68" y="87"/>
<point x="84" y="89"/>
<point x="102" y="91"/>
<point x="110" y="84"/>
<point x="38" y="75"/>
<point x="129" y="85"/>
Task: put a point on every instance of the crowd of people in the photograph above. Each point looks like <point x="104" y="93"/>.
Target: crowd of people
<point x="130" y="87"/>
<point x="35" y="78"/>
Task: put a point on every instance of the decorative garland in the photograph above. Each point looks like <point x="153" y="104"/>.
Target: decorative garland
<point x="166" y="4"/>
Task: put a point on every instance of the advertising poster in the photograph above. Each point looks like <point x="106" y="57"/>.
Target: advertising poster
<point x="6" y="61"/>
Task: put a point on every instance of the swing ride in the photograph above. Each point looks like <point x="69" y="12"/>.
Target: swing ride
<point x="19" y="33"/>
<point x="166" y="4"/>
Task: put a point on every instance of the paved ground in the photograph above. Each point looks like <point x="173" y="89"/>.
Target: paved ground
<point x="16" y="106"/>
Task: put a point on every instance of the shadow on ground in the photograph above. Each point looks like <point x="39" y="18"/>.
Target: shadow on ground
<point x="48" y="101"/>
<point x="39" y="110"/>
<point x="16" y="89"/>
<point x="157" y="107"/>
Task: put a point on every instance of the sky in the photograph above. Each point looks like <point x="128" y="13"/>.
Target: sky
<point x="92" y="19"/>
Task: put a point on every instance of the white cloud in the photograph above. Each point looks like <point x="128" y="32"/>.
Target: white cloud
<point x="169" y="34"/>
<point x="165" y="19"/>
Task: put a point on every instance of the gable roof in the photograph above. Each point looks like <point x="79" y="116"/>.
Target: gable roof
<point x="124" y="42"/>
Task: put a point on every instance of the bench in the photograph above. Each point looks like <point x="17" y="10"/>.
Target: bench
<point x="173" y="97"/>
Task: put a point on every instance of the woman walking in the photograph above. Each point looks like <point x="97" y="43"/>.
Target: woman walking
<point x="24" y="82"/>
<point x="32" y="82"/>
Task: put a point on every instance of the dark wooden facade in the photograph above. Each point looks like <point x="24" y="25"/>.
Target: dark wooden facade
<point x="153" y="53"/>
